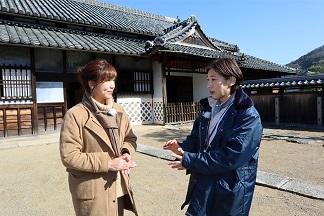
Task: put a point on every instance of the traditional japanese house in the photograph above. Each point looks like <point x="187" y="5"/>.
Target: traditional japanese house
<point x="160" y="61"/>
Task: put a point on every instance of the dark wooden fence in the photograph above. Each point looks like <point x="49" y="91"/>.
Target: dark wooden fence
<point x="179" y="113"/>
<point x="17" y="120"/>
<point x="50" y="116"/>
<point x="294" y="108"/>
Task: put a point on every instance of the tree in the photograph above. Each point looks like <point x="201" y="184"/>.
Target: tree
<point x="317" y="69"/>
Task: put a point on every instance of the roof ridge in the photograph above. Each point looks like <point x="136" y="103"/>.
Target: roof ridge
<point x="128" y="10"/>
<point x="55" y="28"/>
<point x="267" y="61"/>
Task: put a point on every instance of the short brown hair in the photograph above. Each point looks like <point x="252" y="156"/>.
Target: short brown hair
<point x="98" y="71"/>
<point x="227" y="68"/>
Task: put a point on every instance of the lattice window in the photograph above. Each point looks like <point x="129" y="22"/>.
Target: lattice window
<point x="15" y="83"/>
<point x="135" y="82"/>
<point x="186" y="66"/>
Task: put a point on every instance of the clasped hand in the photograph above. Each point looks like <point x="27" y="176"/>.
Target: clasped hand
<point x="123" y="163"/>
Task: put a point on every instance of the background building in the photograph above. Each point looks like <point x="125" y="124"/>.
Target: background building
<point x="160" y="61"/>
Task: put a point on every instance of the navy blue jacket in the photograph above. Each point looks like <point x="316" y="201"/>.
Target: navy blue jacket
<point x="223" y="177"/>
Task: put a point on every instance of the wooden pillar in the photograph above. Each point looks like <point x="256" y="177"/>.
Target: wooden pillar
<point x="319" y="111"/>
<point x="34" y="96"/>
<point x="5" y="128"/>
<point x="64" y="83"/>
<point x="277" y="111"/>
<point x="35" y="107"/>
<point x="164" y="89"/>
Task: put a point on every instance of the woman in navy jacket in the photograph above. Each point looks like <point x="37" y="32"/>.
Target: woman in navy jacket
<point x="221" y="153"/>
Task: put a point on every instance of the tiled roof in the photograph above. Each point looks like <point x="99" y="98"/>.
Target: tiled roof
<point x="91" y="13"/>
<point x="169" y="32"/>
<point x="198" y="51"/>
<point x="172" y="41"/>
<point x="35" y="35"/>
<point x="257" y="63"/>
<point x="289" y="81"/>
<point x="224" y="45"/>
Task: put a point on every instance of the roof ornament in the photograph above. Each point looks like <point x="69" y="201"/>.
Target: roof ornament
<point x="159" y="41"/>
<point x="241" y="58"/>
<point x="148" y="45"/>
<point x="178" y="20"/>
<point x="191" y="19"/>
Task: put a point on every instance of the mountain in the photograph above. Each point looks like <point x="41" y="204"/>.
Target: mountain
<point x="312" y="61"/>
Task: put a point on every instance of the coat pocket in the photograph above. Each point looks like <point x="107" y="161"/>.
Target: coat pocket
<point x="230" y="196"/>
<point x="81" y="185"/>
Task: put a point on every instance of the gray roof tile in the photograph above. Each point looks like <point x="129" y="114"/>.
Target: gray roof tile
<point x="287" y="81"/>
<point x="92" y="13"/>
<point x="34" y="35"/>
<point x="169" y="32"/>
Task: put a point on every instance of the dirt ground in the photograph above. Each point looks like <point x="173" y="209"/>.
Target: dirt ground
<point x="279" y="154"/>
<point x="33" y="180"/>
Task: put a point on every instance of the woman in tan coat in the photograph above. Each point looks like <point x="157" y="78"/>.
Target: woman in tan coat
<point x="96" y="145"/>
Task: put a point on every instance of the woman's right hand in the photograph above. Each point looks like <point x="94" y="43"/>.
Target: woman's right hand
<point x="119" y="164"/>
<point x="173" y="146"/>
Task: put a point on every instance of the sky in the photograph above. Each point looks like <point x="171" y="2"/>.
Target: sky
<point x="279" y="31"/>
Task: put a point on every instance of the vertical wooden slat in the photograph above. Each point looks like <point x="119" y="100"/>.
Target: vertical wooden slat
<point x="182" y="112"/>
<point x="45" y="118"/>
<point x="19" y="121"/>
<point x="21" y="86"/>
<point x="34" y="99"/>
<point x="54" y="116"/>
<point x="15" y="82"/>
<point x="11" y="83"/>
<point x="5" y="128"/>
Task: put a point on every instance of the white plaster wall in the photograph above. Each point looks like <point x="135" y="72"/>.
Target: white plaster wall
<point x="157" y="80"/>
<point x="158" y="115"/>
<point x="49" y="92"/>
<point x="200" y="89"/>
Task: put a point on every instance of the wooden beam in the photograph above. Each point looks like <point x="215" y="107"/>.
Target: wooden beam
<point x="56" y="77"/>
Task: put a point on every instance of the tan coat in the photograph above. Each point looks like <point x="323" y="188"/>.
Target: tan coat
<point x="86" y="153"/>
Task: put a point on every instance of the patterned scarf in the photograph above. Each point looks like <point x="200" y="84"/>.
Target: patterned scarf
<point x="107" y="121"/>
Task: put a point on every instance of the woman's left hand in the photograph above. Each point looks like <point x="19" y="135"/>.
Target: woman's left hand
<point x="129" y="161"/>
<point x="177" y="164"/>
